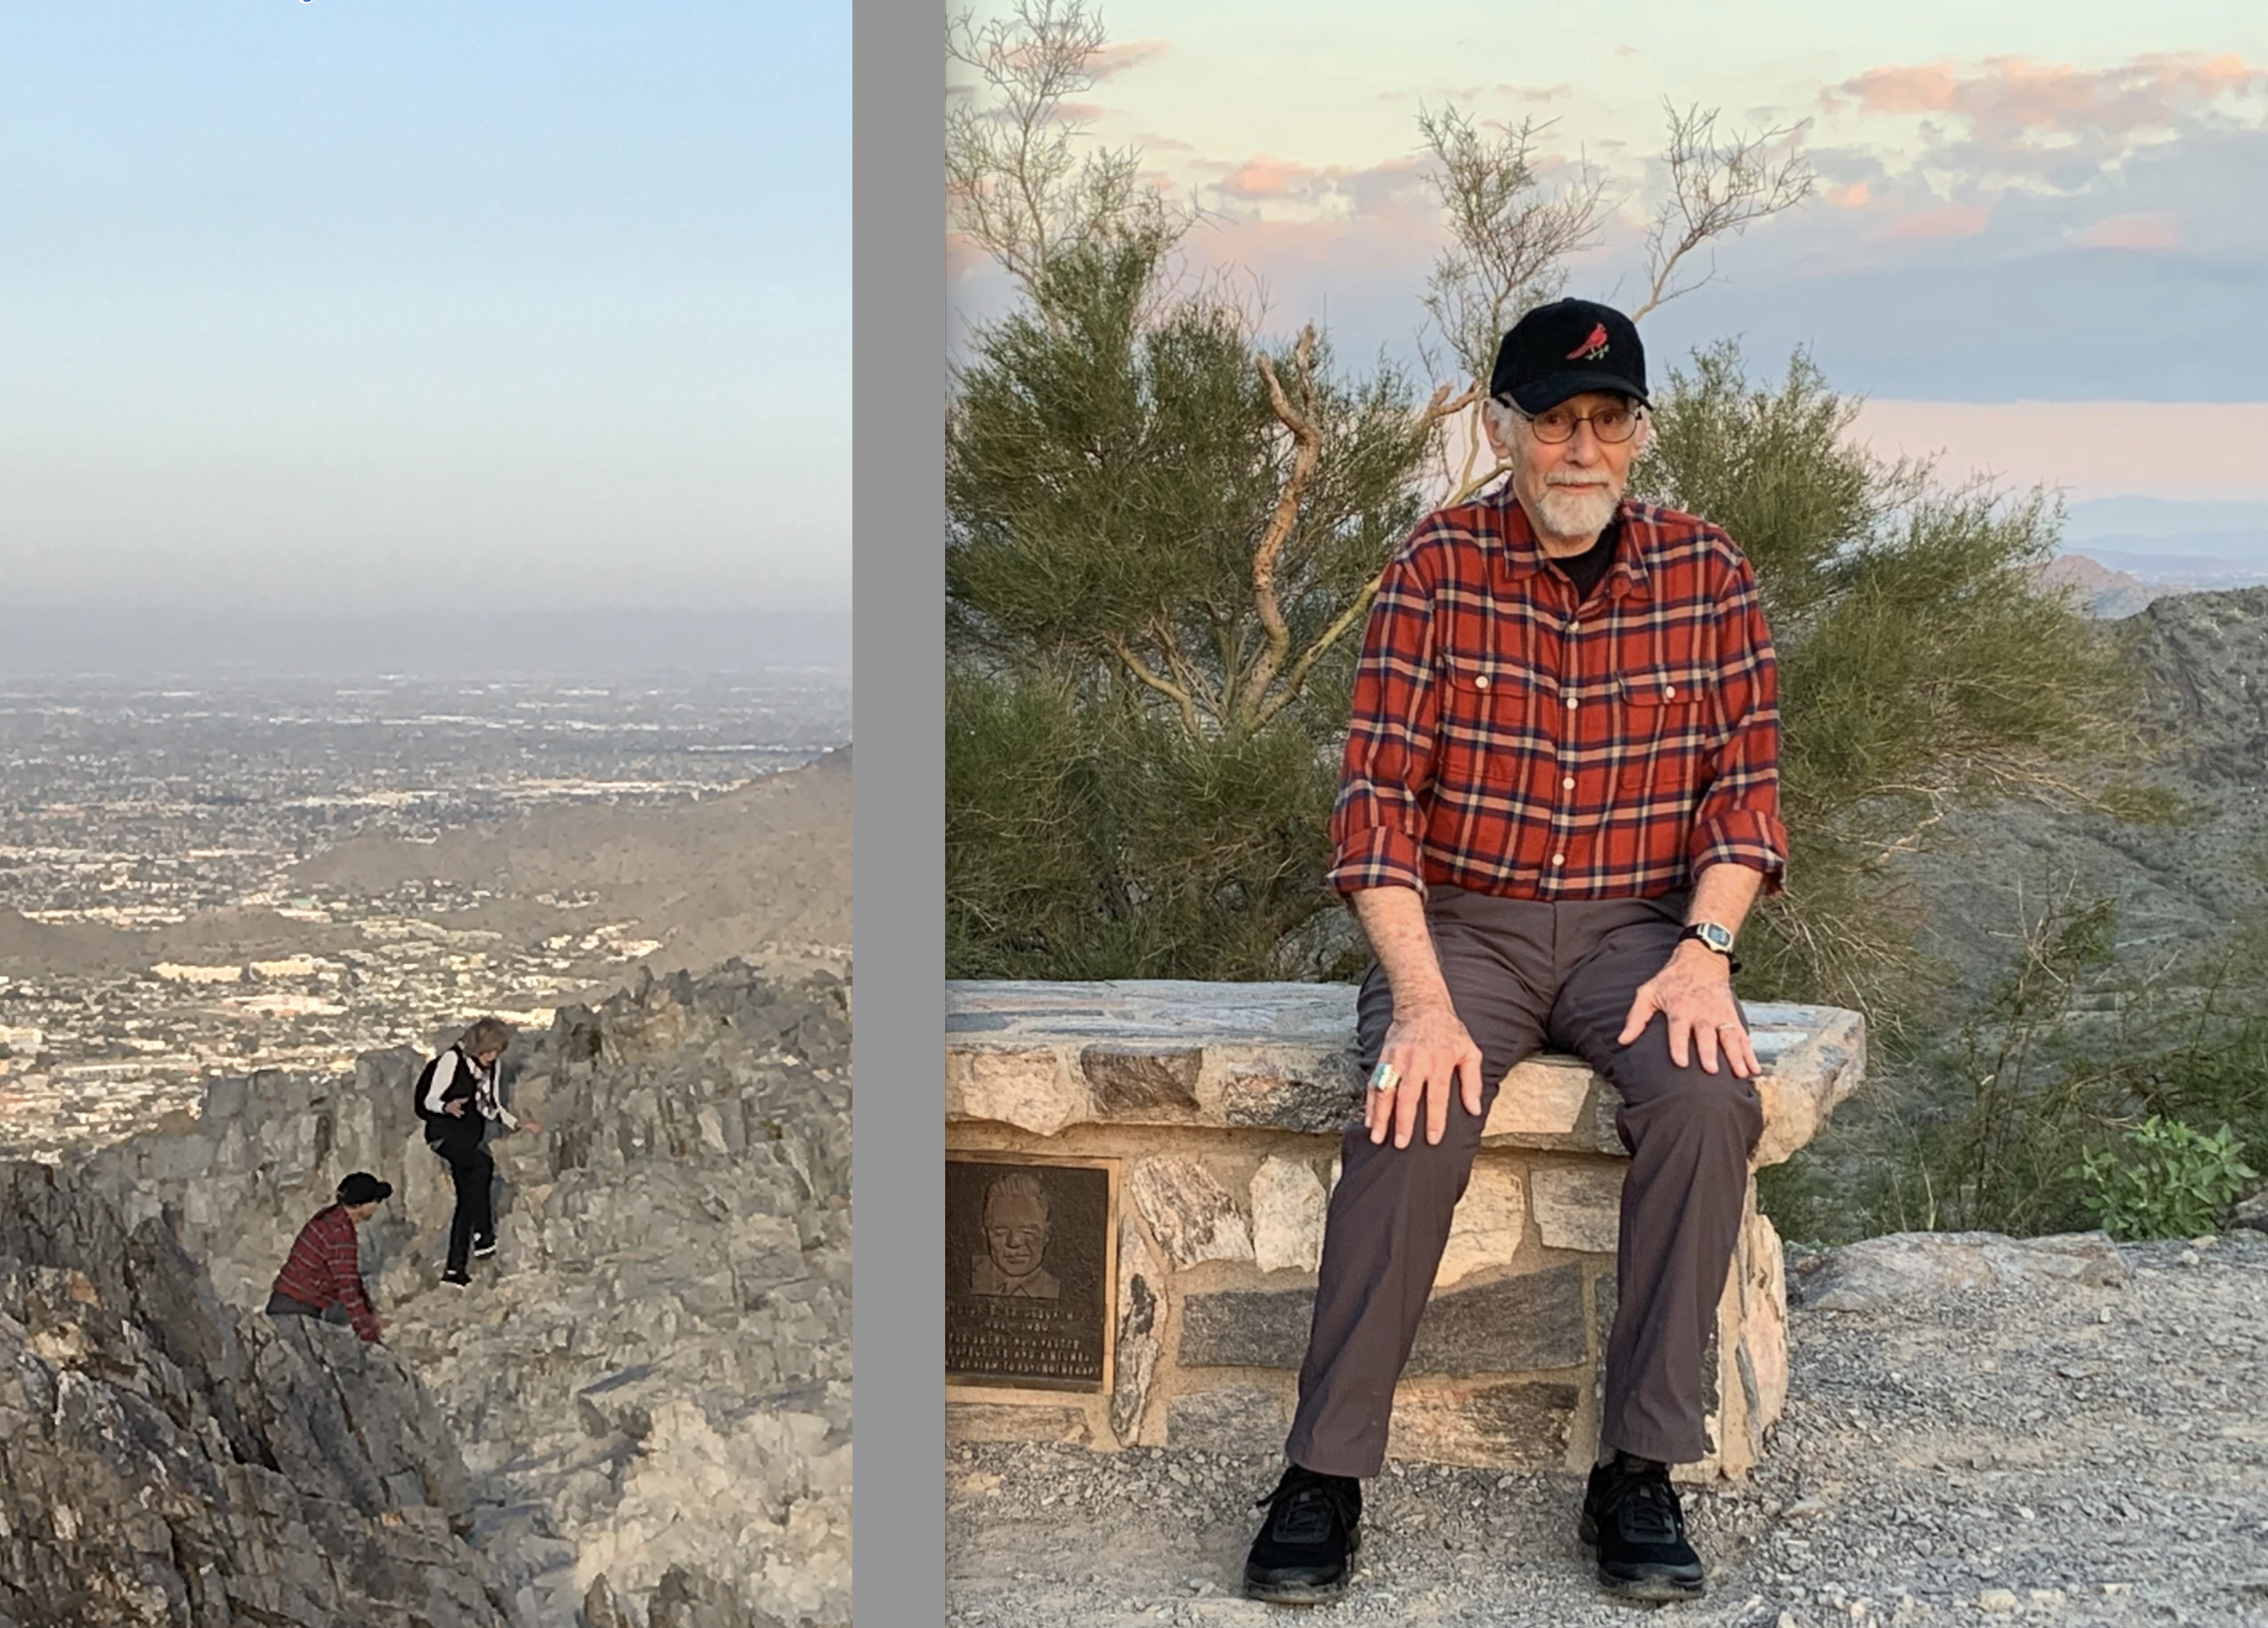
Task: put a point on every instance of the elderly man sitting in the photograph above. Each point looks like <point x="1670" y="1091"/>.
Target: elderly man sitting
<point x="1559" y="798"/>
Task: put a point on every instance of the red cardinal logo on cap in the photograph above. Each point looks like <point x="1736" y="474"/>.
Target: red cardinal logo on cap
<point x="1592" y="348"/>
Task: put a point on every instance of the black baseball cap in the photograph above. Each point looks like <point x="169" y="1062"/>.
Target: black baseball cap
<point x="1565" y="348"/>
<point x="363" y="1188"/>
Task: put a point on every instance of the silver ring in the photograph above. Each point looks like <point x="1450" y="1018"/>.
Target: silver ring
<point x="1384" y="1078"/>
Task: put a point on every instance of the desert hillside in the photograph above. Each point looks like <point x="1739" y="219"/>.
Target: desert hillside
<point x="2205" y="658"/>
<point x="763" y="871"/>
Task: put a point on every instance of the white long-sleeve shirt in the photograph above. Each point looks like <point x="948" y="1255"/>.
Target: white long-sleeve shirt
<point x="485" y="1097"/>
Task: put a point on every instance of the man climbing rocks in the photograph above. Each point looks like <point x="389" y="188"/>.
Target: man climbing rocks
<point x="322" y="1276"/>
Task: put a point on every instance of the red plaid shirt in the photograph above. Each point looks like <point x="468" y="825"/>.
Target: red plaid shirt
<point x="325" y="1269"/>
<point x="1505" y="741"/>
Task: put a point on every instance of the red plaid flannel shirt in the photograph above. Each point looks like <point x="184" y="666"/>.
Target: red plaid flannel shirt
<point x="1506" y="742"/>
<point x="325" y="1269"/>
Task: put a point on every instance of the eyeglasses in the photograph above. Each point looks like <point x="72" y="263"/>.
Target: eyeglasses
<point x="1612" y="425"/>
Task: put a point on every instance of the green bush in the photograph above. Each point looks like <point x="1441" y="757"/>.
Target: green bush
<point x="2164" y="1180"/>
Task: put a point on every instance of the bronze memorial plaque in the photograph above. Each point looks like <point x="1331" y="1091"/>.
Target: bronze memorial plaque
<point x="1028" y="1272"/>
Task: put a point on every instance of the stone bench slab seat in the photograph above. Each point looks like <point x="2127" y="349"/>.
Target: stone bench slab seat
<point x="1044" y="1056"/>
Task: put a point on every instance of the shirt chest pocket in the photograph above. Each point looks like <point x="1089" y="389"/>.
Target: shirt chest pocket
<point x="1489" y="720"/>
<point x="1666" y="727"/>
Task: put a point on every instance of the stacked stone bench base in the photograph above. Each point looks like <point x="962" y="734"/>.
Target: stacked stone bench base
<point x="1219" y="1107"/>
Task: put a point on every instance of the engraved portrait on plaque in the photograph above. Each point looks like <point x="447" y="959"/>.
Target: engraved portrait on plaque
<point x="1028" y="1269"/>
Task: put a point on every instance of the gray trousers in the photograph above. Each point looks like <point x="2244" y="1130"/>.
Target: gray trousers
<point x="1522" y="974"/>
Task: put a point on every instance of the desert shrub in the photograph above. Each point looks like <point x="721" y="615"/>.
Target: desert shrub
<point x="2163" y="1180"/>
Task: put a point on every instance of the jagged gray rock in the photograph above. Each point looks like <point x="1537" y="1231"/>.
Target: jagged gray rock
<point x="165" y="1458"/>
<point x="653" y="1374"/>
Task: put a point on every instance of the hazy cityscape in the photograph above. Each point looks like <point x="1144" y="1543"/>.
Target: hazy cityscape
<point x="202" y="878"/>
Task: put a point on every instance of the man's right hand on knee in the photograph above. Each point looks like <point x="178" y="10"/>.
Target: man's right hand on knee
<point x="1430" y="1055"/>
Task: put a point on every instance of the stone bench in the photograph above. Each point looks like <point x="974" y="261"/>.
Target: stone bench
<point x="1188" y="1136"/>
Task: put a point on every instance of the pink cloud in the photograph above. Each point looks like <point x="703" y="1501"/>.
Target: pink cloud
<point x="1947" y="221"/>
<point x="1921" y="89"/>
<point x="2157" y="230"/>
<point x="963" y="257"/>
<point x="1264" y="177"/>
<point x="1857" y="196"/>
<point x="2014" y="98"/>
<point x="1113" y="60"/>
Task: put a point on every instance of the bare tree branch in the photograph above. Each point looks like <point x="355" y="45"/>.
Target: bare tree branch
<point x="1142" y="670"/>
<point x="1306" y="451"/>
<point x="1717" y="190"/>
<point x="1014" y="185"/>
<point x="1296" y="679"/>
<point x="1508" y="237"/>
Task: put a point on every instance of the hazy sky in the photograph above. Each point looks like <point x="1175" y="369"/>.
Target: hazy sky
<point x="2037" y="243"/>
<point x="372" y="305"/>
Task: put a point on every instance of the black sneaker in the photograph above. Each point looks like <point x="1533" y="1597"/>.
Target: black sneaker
<point x="482" y="1248"/>
<point x="461" y="1277"/>
<point x="1313" y="1529"/>
<point x="1631" y="1513"/>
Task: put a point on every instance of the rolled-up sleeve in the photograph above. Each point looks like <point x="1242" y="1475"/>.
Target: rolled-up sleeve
<point x="1737" y="821"/>
<point x="1378" y="824"/>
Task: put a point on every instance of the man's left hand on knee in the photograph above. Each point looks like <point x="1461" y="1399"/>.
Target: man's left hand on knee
<point x="1694" y="993"/>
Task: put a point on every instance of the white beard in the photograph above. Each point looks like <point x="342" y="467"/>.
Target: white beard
<point x="1569" y="511"/>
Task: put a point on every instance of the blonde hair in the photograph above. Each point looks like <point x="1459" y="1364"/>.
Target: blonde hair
<point x="488" y="1034"/>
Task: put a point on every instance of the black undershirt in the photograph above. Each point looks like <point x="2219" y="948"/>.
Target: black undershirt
<point x="1589" y="568"/>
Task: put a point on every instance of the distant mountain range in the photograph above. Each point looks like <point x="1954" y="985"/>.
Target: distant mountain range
<point x="447" y="642"/>
<point x="2117" y="583"/>
<point x="2126" y="552"/>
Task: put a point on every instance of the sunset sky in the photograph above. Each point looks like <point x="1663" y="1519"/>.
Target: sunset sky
<point x="2036" y="245"/>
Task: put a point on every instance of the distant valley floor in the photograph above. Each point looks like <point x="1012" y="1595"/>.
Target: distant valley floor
<point x="193" y="884"/>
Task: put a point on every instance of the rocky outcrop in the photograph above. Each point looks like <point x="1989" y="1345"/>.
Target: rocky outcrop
<point x="1899" y="1268"/>
<point x="166" y="1458"/>
<point x="649" y="1383"/>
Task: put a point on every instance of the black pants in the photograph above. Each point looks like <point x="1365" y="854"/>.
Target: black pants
<point x="1522" y="974"/>
<point x="474" y="1172"/>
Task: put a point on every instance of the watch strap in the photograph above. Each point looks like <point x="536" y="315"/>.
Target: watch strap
<point x="1694" y="933"/>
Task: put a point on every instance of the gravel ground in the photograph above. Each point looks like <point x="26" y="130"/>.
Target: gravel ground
<point x="2044" y="1453"/>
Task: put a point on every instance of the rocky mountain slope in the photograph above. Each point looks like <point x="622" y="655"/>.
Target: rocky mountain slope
<point x="639" y="1414"/>
<point x="167" y="1458"/>
<point x="2205" y="657"/>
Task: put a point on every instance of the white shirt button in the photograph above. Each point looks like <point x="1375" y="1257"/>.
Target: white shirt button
<point x="1568" y="784"/>
<point x="1558" y="859"/>
<point x="1668" y="690"/>
<point x="1570" y="702"/>
<point x="1482" y="682"/>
